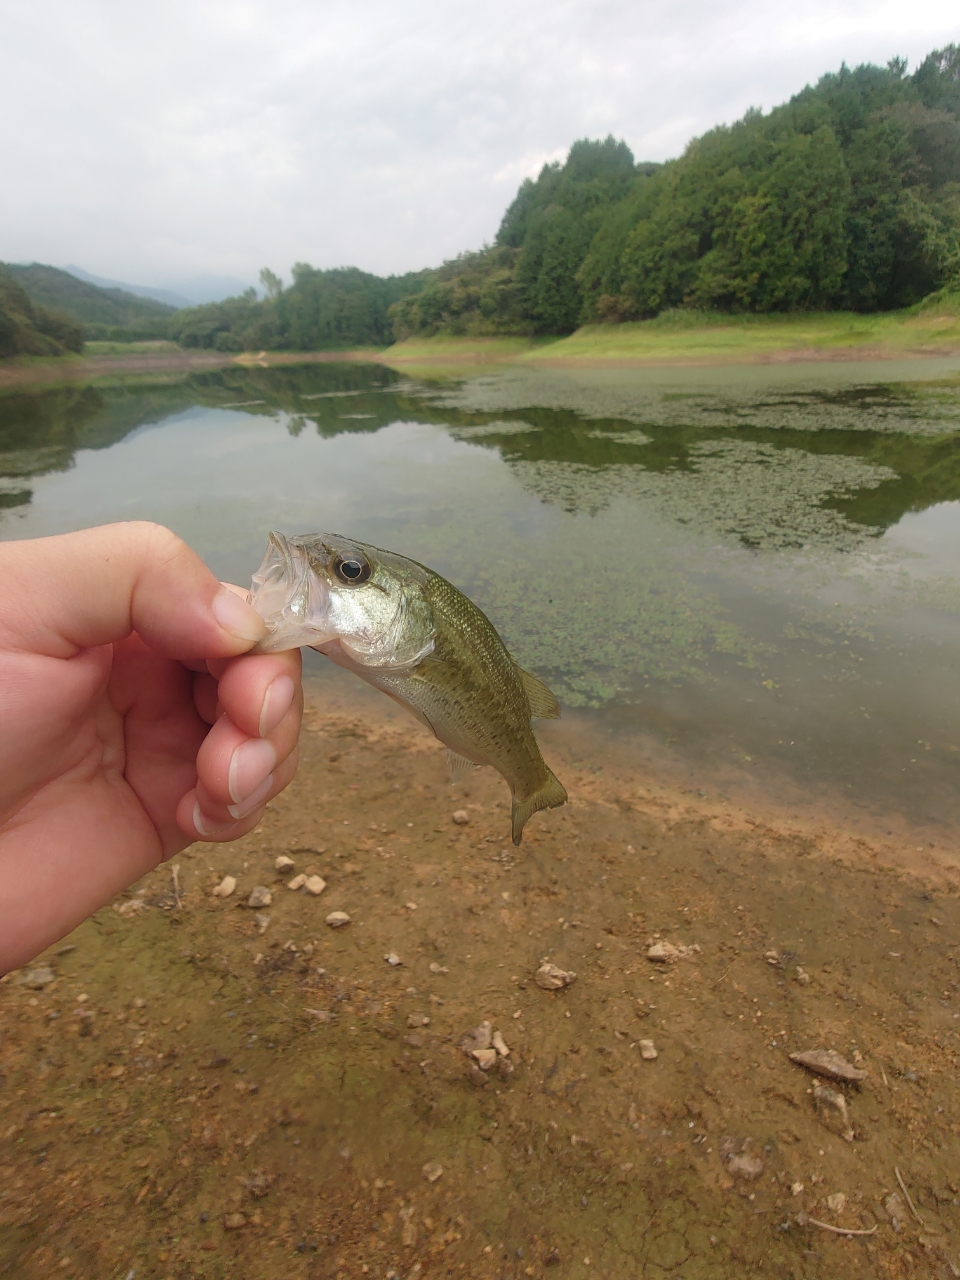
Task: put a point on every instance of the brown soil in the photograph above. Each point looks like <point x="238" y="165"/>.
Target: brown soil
<point x="192" y="1097"/>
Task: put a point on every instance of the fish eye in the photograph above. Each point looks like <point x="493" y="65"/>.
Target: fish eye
<point x="351" y="569"/>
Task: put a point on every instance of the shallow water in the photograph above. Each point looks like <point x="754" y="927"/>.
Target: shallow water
<point x="753" y="568"/>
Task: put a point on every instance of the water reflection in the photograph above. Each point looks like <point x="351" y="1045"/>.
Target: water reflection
<point x="760" y="577"/>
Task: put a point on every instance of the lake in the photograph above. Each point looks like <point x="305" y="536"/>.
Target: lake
<point x="751" y="571"/>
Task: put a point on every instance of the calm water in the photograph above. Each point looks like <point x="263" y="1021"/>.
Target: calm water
<point x="755" y="569"/>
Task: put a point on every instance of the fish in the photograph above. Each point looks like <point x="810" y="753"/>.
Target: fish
<point x="411" y="634"/>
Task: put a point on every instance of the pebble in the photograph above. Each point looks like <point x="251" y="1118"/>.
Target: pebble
<point x="837" y="1202"/>
<point x="315" y="885"/>
<point x="486" y="1058"/>
<point x="500" y="1045"/>
<point x="132" y="907"/>
<point x="392" y="958"/>
<point x="802" y="976"/>
<point x="262" y="922"/>
<point x="37" y="979"/>
<point x="663" y="952"/>
<point x="433" y="1170"/>
<point x="283" y="863"/>
<point x="824" y="1097"/>
<point x="337" y="919"/>
<point x="321" y="1015"/>
<point x="260" y="896"/>
<point x="745" y="1166"/>
<point x="648" y="1050"/>
<point x="829" y="1063"/>
<point x="460" y="817"/>
<point x="480" y="1037"/>
<point x="297" y="882"/>
<point x="234" y="1221"/>
<point x="550" y="978"/>
<point x="225" y="887"/>
<point x="438" y="968"/>
<point x="417" y="1020"/>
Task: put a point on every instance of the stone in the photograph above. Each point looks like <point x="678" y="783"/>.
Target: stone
<point x="663" y="952"/>
<point x="438" y="968"/>
<point x="745" y="1166"/>
<point x="297" y="882"/>
<point x="486" y="1058"/>
<point x="433" y="1170"/>
<point x="460" y="817"/>
<point x="320" y="1015"/>
<point x="392" y="959"/>
<point x="411" y="906"/>
<point x="796" y="1188"/>
<point x="480" y="1037"/>
<point x="337" y="919"/>
<point x="226" y="887"/>
<point x="37" y="979"/>
<point x="283" y="863"/>
<point x="314" y="885"/>
<point x="802" y="976"/>
<point x="132" y="907"/>
<point x="648" y="1050"/>
<point x="417" y="1020"/>
<point x="234" y="1221"/>
<point x="837" y="1202"/>
<point x="550" y="978"/>
<point x="262" y="922"/>
<point x="499" y="1044"/>
<point x="260" y="896"/>
<point x="829" y="1063"/>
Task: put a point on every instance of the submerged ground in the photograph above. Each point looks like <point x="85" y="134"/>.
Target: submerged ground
<point x="209" y="1090"/>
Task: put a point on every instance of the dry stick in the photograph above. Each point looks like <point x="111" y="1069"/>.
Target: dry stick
<point x="841" y="1231"/>
<point x="903" y="1188"/>
<point x="175" y="872"/>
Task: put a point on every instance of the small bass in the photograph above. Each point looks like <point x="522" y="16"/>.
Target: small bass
<point x="413" y="635"/>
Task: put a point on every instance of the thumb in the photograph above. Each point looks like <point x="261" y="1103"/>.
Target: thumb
<point x="79" y="590"/>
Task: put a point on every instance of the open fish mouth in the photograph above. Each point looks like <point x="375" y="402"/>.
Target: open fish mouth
<point x="289" y="597"/>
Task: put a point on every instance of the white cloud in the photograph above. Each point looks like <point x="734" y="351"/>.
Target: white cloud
<point x="149" y="142"/>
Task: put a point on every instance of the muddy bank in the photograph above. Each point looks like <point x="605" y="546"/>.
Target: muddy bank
<point x="207" y="1089"/>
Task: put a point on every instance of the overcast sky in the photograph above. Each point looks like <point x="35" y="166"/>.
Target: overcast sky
<point x="151" y="142"/>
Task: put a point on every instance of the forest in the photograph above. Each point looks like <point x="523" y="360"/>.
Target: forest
<point x="845" y="198"/>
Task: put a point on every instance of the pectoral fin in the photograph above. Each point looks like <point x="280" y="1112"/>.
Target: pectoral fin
<point x="460" y="766"/>
<point x="547" y="797"/>
<point x="543" y="703"/>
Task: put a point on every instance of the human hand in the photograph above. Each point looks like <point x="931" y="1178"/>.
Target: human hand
<point x="118" y="652"/>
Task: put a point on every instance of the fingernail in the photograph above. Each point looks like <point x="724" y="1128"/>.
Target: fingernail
<point x="236" y="616"/>
<point x="204" y="825"/>
<point x="249" y="766"/>
<point x="252" y="801"/>
<point x="276" y="704"/>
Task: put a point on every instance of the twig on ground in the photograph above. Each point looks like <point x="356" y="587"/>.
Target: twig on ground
<point x="840" y="1231"/>
<point x="903" y="1188"/>
<point x="175" y="873"/>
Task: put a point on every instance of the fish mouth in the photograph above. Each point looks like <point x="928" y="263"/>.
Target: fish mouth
<point x="289" y="596"/>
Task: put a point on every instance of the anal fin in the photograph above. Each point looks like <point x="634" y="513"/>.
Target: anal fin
<point x="548" y="796"/>
<point x="460" y="766"/>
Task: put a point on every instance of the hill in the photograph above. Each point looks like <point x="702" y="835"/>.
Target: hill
<point x="104" y="313"/>
<point x="30" y="330"/>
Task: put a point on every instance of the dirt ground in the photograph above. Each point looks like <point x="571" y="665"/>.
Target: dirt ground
<point x="205" y="1089"/>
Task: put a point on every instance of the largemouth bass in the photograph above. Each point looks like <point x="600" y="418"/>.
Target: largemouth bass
<point x="413" y="635"/>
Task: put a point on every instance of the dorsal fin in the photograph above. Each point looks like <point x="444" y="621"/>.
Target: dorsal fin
<point x="543" y="703"/>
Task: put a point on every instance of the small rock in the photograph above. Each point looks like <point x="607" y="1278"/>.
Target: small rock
<point x="37" y="979"/>
<point x="234" y="1221"/>
<point x="438" y="968"/>
<point x="132" y="907"/>
<point x="486" y="1058"/>
<point x="550" y="978"/>
<point x="314" y="885"/>
<point x="297" y="882"/>
<point x="460" y="817"/>
<point x="258" y="1184"/>
<point x="480" y="1037"/>
<point x="260" y="896"/>
<point x="225" y="887"/>
<point x="337" y="919"/>
<point x="411" y="906"/>
<point x="648" y="1050"/>
<point x="829" y="1063"/>
<point x="745" y="1166"/>
<point x="837" y="1202"/>
<point x="283" y="863"/>
<point x="138" y="1002"/>
<point x="772" y="957"/>
<point x="500" y="1045"/>
<point x="802" y="976"/>
<point x="895" y="1207"/>
<point x="663" y="952"/>
<point x="262" y="922"/>
<point x="796" y="1188"/>
<point x="417" y="1020"/>
<point x="505" y="1067"/>
<point x="433" y="1170"/>
<point x="416" y="1042"/>
<point x="392" y="958"/>
<point x="824" y="1097"/>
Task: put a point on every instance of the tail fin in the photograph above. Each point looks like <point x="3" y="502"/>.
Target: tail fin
<point x="547" y="797"/>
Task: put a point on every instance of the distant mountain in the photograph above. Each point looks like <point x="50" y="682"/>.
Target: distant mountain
<point x="189" y="291"/>
<point x="97" y="309"/>
<point x="30" y="330"/>
<point x="166" y="296"/>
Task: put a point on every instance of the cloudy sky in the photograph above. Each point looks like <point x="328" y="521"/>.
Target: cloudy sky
<point x="152" y="142"/>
